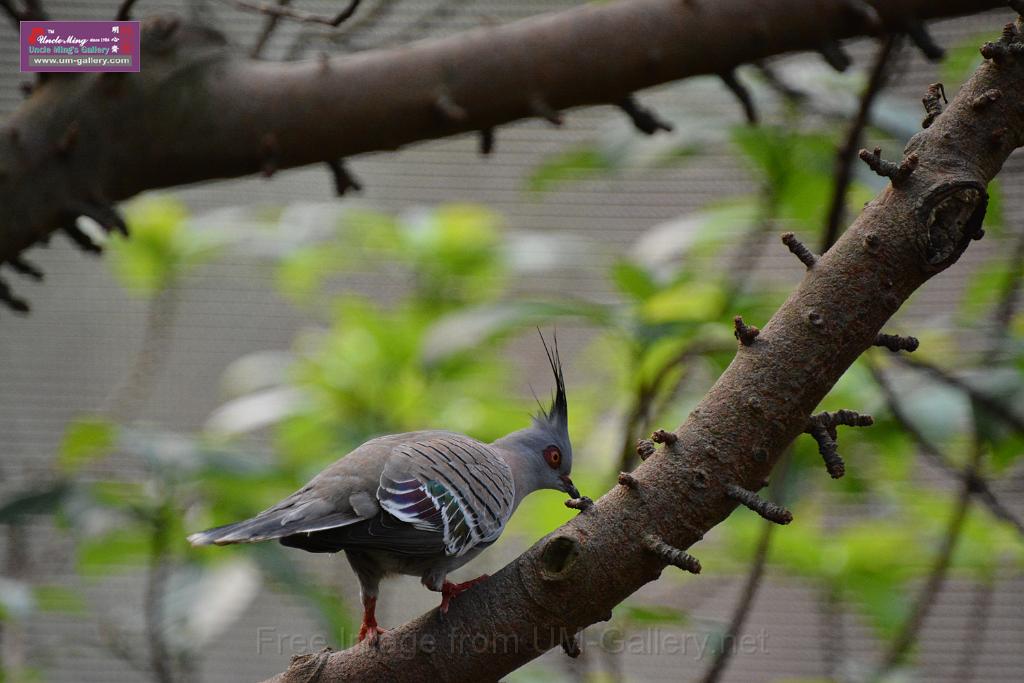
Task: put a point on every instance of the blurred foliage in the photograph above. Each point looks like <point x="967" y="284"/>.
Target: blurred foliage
<point x="432" y="352"/>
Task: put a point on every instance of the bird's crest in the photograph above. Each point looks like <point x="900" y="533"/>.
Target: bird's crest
<point x="558" y="413"/>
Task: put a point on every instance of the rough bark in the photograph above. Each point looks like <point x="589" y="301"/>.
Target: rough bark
<point x="574" y="576"/>
<point x="198" y="110"/>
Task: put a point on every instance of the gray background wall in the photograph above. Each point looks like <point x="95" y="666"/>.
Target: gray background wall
<point x="63" y="360"/>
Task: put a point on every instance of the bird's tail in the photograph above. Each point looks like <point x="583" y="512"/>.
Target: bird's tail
<point x="271" y="524"/>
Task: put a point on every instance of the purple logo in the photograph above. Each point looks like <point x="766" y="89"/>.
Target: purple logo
<point x="78" y="46"/>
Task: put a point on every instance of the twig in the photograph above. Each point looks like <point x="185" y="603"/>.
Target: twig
<point x="743" y="606"/>
<point x="1009" y="299"/>
<point x="982" y="399"/>
<point x="848" y="152"/>
<point x="979" y="485"/>
<point x="832" y="640"/>
<point x="929" y="592"/>
<point x="746" y="100"/>
<point x="156" y="583"/>
<point x="285" y="12"/>
<point x="750" y="587"/>
<point x="124" y="13"/>
<point x="269" y="26"/>
<point x="897" y="173"/>
<point x="977" y="624"/>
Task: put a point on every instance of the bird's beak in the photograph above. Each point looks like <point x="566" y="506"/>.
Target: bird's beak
<point x="568" y="487"/>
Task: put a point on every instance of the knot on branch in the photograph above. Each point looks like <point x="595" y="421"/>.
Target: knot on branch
<point x="571" y="645"/>
<point x="1008" y="46"/>
<point x="732" y="82"/>
<point x="823" y="428"/>
<point x="952" y="215"/>
<point x="81" y="240"/>
<point x="767" y="509"/>
<point x="663" y="437"/>
<point x="932" y="101"/>
<point x="486" y="141"/>
<point x="106" y="216"/>
<point x="270" y="151"/>
<point x="895" y="343"/>
<point x="644" y="448"/>
<point x="307" y="668"/>
<point x="448" y="109"/>
<point x="897" y="173"/>
<point x="745" y="333"/>
<point x="628" y="480"/>
<point x="11" y="301"/>
<point x="644" y="119"/>
<point x="558" y="557"/>
<point x="671" y="555"/>
<point x="918" y="33"/>
<point x="343" y="178"/>
<point x="539" y="107"/>
<point x="67" y="141"/>
<point x="26" y="268"/>
<point x="797" y="248"/>
<point x="834" y="55"/>
<point x="985" y="99"/>
<point x="580" y="504"/>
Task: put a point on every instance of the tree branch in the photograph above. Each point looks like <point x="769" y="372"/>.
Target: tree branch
<point x="847" y="154"/>
<point x="201" y="111"/>
<point x="574" y="576"/>
<point x="900" y="646"/>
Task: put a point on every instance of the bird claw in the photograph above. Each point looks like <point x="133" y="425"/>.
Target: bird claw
<point x="449" y="590"/>
<point x="371" y="634"/>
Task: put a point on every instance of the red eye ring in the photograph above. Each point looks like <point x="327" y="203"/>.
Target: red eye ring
<point x="553" y="457"/>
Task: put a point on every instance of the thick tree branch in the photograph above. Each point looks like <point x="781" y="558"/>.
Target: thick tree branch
<point x="574" y="576"/>
<point x="199" y="110"/>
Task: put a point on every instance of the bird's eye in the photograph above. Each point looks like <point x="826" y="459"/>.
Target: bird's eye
<point x="553" y="457"/>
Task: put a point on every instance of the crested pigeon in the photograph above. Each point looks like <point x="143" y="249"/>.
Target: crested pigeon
<point x="420" y="503"/>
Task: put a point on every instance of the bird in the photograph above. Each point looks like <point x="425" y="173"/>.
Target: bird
<point x="419" y="503"/>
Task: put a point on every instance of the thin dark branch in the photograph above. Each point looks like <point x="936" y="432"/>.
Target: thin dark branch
<point x="979" y="485"/>
<point x="124" y="13"/>
<point x="285" y="12"/>
<point x="908" y="634"/>
<point x="1009" y="298"/>
<point x="847" y="154"/>
<point x="754" y="577"/>
<point x="983" y="400"/>
<point x="11" y="12"/>
<point x="269" y="26"/>
<point x="161" y="666"/>
<point x="977" y="625"/>
<point x="743" y="606"/>
<point x="746" y="100"/>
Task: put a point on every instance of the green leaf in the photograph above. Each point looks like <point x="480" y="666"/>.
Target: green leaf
<point x="41" y="502"/>
<point x="650" y="615"/>
<point x="57" y="598"/>
<point x="633" y="280"/>
<point x="119" y="550"/>
<point x="160" y="247"/>
<point x="573" y="164"/>
<point x="85" y="440"/>
<point x="686" y="301"/>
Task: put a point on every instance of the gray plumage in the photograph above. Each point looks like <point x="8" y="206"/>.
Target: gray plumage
<point x="421" y="503"/>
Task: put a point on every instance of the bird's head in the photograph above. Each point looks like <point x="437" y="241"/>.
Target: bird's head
<point x="543" y="450"/>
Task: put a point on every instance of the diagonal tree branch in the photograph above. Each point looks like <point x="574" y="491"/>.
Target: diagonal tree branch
<point x="574" y="576"/>
<point x="200" y="111"/>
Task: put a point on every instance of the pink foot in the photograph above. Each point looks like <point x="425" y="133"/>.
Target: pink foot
<point x="450" y="590"/>
<point x="369" y="629"/>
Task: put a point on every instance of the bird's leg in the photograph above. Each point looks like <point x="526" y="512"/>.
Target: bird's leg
<point x="369" y="628"/>
<point x="449" y="590"/>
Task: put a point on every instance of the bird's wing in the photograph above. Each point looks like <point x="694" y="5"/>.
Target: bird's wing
<point x="449" y="485"/>
<point x="341" y="495"/>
